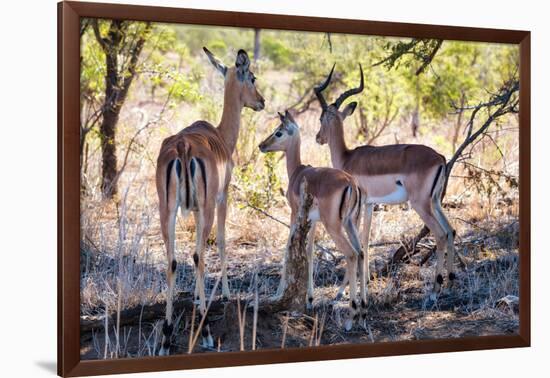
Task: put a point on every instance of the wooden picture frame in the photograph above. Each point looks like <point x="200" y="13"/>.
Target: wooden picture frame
<point x="69" y="14"/>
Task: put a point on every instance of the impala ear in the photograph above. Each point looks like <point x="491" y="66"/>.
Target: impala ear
<point x="288" y="116"/>
<point x="242" y="63"/>
<point x="281" y="116"/>
<point x="215" y="61"/>
<point x="349" y="109"/>
<point x="292" y="125"/>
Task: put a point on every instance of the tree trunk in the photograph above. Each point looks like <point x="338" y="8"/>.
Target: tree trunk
<point x="117" y="84"/>
<point x="257" y="45"/>
<point x="111" y="110"/>
<point x="108" y="153"/>
<point x="296" y="263"/>
<point x="458" y="124"/>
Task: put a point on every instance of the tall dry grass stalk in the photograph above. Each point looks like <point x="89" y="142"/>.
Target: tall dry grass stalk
<point x="106" y="330"/>
<point x="241" y="318"/>
<point x="255" y="318"/>
<point x="313" y="335"/>
<point x="285" y="329"/>
<point x="203" y="318"/>
<point x="192" y="330"/>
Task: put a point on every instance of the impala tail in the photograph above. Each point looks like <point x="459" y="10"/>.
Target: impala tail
<point x="174" y="178"/>
<point x="439" y="182"/>
<point x="350" y="209"/>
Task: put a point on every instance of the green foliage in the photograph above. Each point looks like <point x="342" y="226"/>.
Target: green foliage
<point x="259" y="185"/>
<point x="222" y="41"/>
<point x="173" y="68"/>
<point x="277" y="52"/>
<point x="184" y="90"/>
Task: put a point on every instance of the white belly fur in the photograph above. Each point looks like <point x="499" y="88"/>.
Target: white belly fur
<point x="314" y="215"/>
<point x="384" y="189"/>
<point x="399" y="195"/>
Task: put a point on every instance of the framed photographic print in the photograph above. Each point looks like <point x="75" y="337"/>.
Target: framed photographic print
<point x="239" y="188"/>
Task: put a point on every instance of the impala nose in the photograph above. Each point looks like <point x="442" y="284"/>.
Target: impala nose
<point x="261" y="104"/>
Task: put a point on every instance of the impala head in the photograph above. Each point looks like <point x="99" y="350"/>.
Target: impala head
<point x="332" y="119"/>
<point x="239" y="80"/>
<point x="283" y="136"/>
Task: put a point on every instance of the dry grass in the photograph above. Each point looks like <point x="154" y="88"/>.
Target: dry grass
<point x="124" y="267"/>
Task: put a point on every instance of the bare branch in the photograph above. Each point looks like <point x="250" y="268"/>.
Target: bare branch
<point x="505" y="104"/>
<point x="423" y="50"/>
<point x="102" y="42"/>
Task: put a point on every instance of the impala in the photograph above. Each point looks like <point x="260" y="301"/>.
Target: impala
<point x="390" y="174"/>
<point x="336" y="204"/>
<point x="193" y="174"/>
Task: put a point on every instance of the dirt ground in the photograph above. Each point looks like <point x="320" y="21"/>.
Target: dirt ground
<point x="482" y="301"/>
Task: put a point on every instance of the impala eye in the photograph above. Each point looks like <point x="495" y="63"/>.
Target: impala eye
<point x="278" y="134"/>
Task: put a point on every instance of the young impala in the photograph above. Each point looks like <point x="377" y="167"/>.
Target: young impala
<point x="390" y="174"/>
<point x="336" y="203"/>
<point x="193" y="173"/>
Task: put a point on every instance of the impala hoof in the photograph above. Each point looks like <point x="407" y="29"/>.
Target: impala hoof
<point x="207" y="342"/>
<point x="309" y="304"/>
<point x="348" y="325"/>
<point x="164" y="351"/>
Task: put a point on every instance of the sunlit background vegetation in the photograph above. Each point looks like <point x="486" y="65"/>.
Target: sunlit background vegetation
<point x="423" y="91"/>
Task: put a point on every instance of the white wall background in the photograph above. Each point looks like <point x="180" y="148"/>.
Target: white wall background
<point x="28" y="185"/>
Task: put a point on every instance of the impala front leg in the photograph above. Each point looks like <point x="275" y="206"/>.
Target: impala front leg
<point x="310" y="250"/>
<point x="282" y="283"/>
<point x="343" y="285"/>
<point x="220" y="241"/>
<point x="366" y="236"/>
<point x="364" y="262"/>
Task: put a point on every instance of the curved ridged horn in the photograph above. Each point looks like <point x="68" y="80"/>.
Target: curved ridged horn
<point x="350" y="92"/>
<point x="322" y="87"/>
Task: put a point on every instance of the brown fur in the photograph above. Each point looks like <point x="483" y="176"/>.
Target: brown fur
<point x="336" y="200"/>
<point x="397" y="158"/>
<point x="384" y="171"/>
<point x="201" y="181"/>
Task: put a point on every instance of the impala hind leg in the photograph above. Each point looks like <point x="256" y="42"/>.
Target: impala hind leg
<point x="309" y="251"/>
<point x="168" y="211"/>
<point x="220" y="242"/>
<point x="344" y="245"/>
<point x="450" y="237"/>
<point x="351" y="230"/>
<point x="424" y="210"/>
<point x="204" y="220"/>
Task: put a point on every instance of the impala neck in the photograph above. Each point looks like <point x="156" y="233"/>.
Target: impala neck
<point x="231" y="119"/>
<point x="337" y="145"/>
<point x="293" y="160"/>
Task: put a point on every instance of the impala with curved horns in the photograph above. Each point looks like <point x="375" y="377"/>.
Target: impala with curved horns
<point x="336" y="204"/>
<point x="390" y="174"/>
<point x="193" y="174"/>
